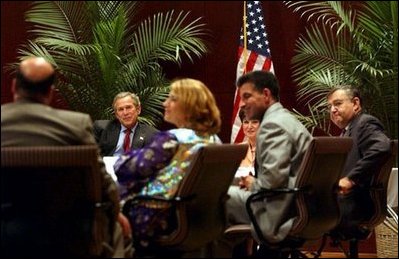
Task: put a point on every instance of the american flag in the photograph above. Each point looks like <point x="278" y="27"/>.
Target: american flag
<point x="256" y="57"/>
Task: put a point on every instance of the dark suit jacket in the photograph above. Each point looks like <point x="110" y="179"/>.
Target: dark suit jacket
<point x="370" y="150"/>
<point x="106" y="133"/>
<point x="26" y="123"/>
<point x="371" y="147"/>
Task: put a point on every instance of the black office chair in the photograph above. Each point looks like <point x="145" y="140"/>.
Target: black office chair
<point x="313" y="198"/>
<point x="199" y="201"/>
<point x="378" y="198"/>
<point x="51" y="202"/>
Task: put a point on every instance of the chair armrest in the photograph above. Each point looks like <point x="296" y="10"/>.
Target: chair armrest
<point x="103" y="205"/>
<point x="376" y="187"/>
<point x="264" y="193"/>
<point x="163" y="199"/>
<point x="134" y="200"/>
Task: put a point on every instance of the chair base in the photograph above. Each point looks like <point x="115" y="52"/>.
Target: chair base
<point x="263" y="251"/>
<point x="337" y="239"/>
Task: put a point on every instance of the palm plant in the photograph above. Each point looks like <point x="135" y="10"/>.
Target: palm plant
<point x="99" y="51"/>
<point x="346" y="44"/>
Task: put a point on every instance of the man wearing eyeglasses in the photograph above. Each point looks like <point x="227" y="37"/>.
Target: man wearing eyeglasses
<point x="370" y="150"/>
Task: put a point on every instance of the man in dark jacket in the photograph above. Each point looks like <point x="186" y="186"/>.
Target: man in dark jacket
<point x="370" y="150"/>
<point x="30" y="121"/>
<point x="125" y="132"/>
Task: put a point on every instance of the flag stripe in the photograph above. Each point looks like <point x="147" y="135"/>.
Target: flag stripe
<point x="240" y="136"/>
<point x="236" y="106"/>
<point x="266" y="65"/>
<point x="251" y="61"/>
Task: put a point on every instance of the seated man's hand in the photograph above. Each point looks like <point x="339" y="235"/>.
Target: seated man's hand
<point x="124" y="222"/>
<point x="345" y="185"/>
<point x="246" y="182"/>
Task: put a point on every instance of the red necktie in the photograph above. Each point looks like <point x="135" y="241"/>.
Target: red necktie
<point x="126" y="141"/>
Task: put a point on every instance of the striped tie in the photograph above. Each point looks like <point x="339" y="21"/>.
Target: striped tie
<point x="343" y="133"/>
<point x="126" y="141"/>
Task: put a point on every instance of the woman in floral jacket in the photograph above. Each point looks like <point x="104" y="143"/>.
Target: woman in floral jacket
<point x="158" y="168"/>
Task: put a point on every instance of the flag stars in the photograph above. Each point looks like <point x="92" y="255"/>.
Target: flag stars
<point x="256" y="35"/>
<point x="257" y="45"/>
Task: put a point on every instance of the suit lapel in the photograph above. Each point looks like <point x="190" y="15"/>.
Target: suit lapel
<point x="353" y="125"/>
<point x="138" y="137"/>
<point x="114" y="131"/>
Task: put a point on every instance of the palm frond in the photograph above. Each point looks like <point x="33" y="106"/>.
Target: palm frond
<point x="99" y="50"/>
<point x="59" y="20"/>
<point x="318" y="119"/>
<point x="163" y="38"/>
<point x="346" y="45"/>
<point x="331" y="13"/>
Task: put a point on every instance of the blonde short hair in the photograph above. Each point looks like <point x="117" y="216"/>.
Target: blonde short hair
<point x="200" y="105"/>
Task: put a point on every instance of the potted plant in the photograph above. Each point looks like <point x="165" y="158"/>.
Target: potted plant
<point x="348" y="43"/>
<point x="99" y="49"/>
<point x="387" y="235"/>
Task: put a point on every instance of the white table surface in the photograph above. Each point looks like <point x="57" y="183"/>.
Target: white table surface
<point x="109" y="162"/>
<point x="392" y="198"/>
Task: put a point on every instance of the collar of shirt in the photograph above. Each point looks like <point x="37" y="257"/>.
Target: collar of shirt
<point x="123" y="128"/>
<point x="119" y="145"/>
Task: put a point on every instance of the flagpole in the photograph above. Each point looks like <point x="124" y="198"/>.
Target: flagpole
<point x="252" y="56"/>
<point x="245" y="54"/>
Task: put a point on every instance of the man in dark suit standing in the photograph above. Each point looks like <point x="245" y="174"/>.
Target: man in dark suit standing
<point x="371" y="147"/>
<point x="125" y="132"/>
<point x="30" y="121"/>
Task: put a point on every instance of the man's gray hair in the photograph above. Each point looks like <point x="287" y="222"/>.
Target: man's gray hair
<point x="120" y="95"/>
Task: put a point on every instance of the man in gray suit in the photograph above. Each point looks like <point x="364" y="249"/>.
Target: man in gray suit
<point x="370" y="150"/>
<point x="111" y="135"/>
<point x="281" y="144"/>
<point x="30" y="121"/>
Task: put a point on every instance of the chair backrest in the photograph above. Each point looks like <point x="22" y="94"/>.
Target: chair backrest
<point x="320" y="171"/>
<point x="49" y="197"/>
<point x="379" y="187"/>
<point x="202" y="218"/>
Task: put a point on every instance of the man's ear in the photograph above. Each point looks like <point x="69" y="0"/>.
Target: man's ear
<point x="267" y="94"/>
<point x="14" y="88"/>
<point x="138" y="108"/>
<point x="50" y="94"/>
<point x="356" y="103"/>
